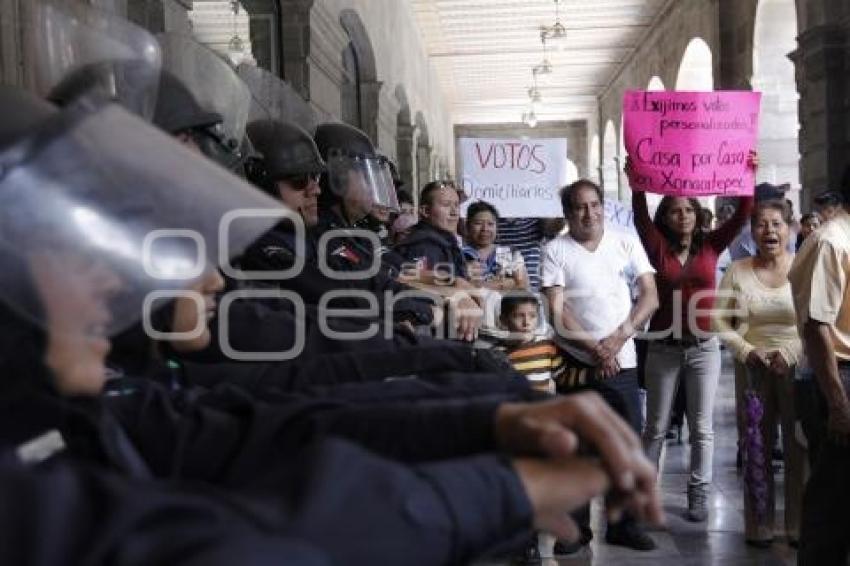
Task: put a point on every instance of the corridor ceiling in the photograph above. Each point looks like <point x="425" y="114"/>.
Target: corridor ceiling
<point x="484" y="51"/>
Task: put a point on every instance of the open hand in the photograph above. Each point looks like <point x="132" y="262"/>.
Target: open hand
<point x="466" y="316"/>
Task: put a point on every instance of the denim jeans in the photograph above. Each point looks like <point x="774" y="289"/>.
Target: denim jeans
<point x="622" y="393"/>
<point x="699" y="366"/>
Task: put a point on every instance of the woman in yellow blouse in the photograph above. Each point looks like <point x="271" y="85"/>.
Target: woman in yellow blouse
<point x="755" y="319"/>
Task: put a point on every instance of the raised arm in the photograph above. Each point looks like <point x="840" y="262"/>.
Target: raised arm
<point x="651" y="237"/>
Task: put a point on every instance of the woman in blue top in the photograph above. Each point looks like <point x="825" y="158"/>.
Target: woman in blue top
<point x="488" y="265"/>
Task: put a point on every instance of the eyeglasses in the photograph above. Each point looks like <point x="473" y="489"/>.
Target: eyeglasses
<point x="301" y="182"/>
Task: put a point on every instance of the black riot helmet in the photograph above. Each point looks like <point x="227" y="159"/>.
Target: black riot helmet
<point x="353" y="165"/>
<point x="91" y="194"/>
<point x="130" y="82"/>
<point x="177" y="110"/>
<point x="284" y="150"/>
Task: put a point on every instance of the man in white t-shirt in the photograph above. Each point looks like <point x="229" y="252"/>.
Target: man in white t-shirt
<point x="588" y="277"/>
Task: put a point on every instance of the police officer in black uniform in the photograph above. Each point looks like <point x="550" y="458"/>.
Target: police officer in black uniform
<point x="288" y="168"/>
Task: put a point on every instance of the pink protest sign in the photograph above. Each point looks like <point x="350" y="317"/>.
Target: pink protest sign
<point x="691" y="143"/>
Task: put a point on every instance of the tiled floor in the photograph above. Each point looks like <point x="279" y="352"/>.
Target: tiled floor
<point x="719" y="541"/>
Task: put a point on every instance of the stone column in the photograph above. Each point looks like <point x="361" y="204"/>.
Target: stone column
<point x="423" y="166"/>
<point x="295" y="44"/>
<point x="404" y="156"/>
<point x="821" y="62"/>
<point x="158" y="16"/>
<point x="11" y="53"/>
<point x="318" y="65"/>
<point x="370" y="94"/>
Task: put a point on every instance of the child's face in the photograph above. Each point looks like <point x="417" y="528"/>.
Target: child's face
<point x="523" y="318"/>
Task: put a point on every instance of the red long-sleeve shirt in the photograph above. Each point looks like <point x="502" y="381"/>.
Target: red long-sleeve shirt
<point x="696" y="276"/>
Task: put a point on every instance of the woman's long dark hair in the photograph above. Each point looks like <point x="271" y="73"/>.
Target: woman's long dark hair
<point x="672" y="238"/>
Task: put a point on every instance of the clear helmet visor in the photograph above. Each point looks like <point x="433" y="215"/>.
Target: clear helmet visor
<point x="211" y="80"/>
<point x="79" y="52"/>
<point x="364" y="180"/>
<point x="99" y="212"/>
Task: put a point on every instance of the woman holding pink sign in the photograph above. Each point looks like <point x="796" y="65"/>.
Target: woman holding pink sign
<point x="681" y="344"/>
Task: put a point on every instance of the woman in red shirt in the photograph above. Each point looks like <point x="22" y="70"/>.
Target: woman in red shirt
<point x="681" y="345"/>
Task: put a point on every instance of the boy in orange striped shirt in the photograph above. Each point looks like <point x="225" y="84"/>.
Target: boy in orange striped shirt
<point x="535" y="356"/>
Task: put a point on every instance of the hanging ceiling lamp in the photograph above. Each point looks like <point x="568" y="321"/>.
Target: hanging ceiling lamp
<point x="545" y="67"/>
<point x="557" y="30"/>
<point x="235" y="47"/>
<point x="535" y="100"/>
<point x="534" y="91"/>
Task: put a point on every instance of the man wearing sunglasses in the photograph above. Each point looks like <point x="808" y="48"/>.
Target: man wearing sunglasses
<point x="289" y="169"/>
<point x="290" y="166"/>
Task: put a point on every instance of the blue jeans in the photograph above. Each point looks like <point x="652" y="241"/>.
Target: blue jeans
<point x="699" y="366"/>
<point x="622" y="393"/>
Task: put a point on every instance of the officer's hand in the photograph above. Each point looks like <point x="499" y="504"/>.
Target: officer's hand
<point x="555" y="428"/>
<point x="556" y="488"/>
<point x="466" y="316"/>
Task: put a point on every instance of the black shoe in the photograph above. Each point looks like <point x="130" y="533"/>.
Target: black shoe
<point x="697" y="504"/>
<point x="760" y="543"/>
<point x="629" y="535"/>
<point x="567" y="548"/>
<point x="585" y="536"/>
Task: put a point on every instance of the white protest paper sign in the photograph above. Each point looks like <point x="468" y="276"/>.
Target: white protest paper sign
<point x="520" y="177"/>
<point x="619" y="217"/>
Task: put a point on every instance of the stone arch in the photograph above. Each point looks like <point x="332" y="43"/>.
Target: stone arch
<point x="774" y="38"/>
<point x="360" y="89"/>
<point x="610" y="183"/>
<point x="595" y="169"/>
<point x="696" y="70"/>
<point x="404" y="139"/>
<point x="655" y="83"/>
<point x="423" y="153"/>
